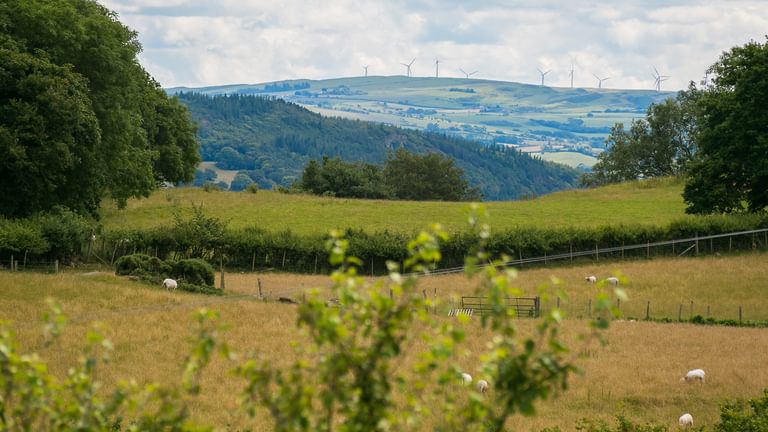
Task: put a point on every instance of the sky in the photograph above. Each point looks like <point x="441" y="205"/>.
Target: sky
<point x="198" y="43"/>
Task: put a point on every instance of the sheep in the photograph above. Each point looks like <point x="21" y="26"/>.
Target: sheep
<point x="686" y="420"/>
<point x="466" y="378"/>
<point x="694" y="375"/>
<point x="482" y="386"/>
<point x="591" y="279"/>
<point x="170" y="284"/>
<point x="613" y="281"/>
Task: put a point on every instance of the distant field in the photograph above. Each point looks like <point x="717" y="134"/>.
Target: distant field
<point x="572" y="159"/>
<point x="636" y="373"/>
<point x="649" y="202"/>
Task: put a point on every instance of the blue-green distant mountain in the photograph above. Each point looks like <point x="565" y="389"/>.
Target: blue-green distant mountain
<point x="550" y="122"/>
<point x="271" y="140"/>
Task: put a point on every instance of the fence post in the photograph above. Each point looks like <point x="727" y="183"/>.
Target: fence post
<point x="571" y="244"/>
<point x="56" y="266"/>
<point x="697" y="244"/>
<point x="390" y="294"/>
<point x="707" y="311"/>
<point x="315" y="264"/>
<point x="589" y="308"/>
<point x="284" y="258"/>
<point x="730" y="242"/>
<point x="690" y="314"/>
<point x="622" y="249"/>
<point x="680" y="313"/>
<point x="371" y="266"/>
<point x="253" y="262"/>
<point x="597" y="252"/>
<point x="558" y="302"/>
<point x="11" y="263"/>
<point x="521" y="258"/>
<point x="739" y="313"/>
<point x="24" y="265"/>
<point x="673" y="246"/>
<point x="221" y="269"/>
<point x="648" y="310"/>
<point x="545" y="258"/>
<point x="648" y="249"/>
<point x="258" y="280"/>
<point x="618" y="304"/>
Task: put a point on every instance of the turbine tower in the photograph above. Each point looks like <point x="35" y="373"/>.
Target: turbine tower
<point x="571" y="74"/>
<point x="658" y="79"/>
<point x="600" y="80"/>
<point x="467" y="75"/>
<point x="543" y="74"/>
<point x="408" y="67"/>
<point x="437" y="67"/>
<point x="366" y="70"/>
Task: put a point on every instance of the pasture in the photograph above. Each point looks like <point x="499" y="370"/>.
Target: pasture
<point x="652" y="202"/>
<point x="636" y="373"/>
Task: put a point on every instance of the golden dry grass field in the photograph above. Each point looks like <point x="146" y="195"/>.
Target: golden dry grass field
<point x="637" y="373"/>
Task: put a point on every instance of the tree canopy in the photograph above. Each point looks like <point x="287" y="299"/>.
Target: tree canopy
<point x="731" y="170"/>
<point x="405" y="175"/>
<point x="661" y="144"/>
<point x="80" y="119"/>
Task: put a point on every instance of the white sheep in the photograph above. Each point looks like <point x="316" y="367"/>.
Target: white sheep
<point x="466" y="378"/>
<point x="591" y="279"/>
<point x="686" y="420"/>
<point x="170" y="284"/>
<point x="482" y="386"/>
<point x="694" y="375"/>
<point x="613" y="281"/>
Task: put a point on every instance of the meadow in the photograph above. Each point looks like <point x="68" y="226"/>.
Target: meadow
<point x="636" y="373"/>
<point x="652" y="202"/>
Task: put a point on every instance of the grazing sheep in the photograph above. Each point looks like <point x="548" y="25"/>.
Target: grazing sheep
<point x="613" y="281"/>
<point x="482" y="386"/>
<point x="591" y="279"/>
<point x="170" y="284"/>
<point x="686" y="420"/>
<point x="466" y="378"/>
<point x="694" y="375"/>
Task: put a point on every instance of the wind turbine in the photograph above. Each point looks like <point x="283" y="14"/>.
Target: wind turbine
<point x="437" y="67"/>
<point x="571" y="74"/>
<point x="600" y="80"/>
<point x="542" y="74"/>
<point x="658" y="79"/>
<point x="366" y="70"/>
<point x="467" y="75"/>
<point x="408" y="66"/>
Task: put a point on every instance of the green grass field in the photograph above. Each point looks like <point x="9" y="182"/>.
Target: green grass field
<point x="650" y="202"/>
<point x="636" y="373"/>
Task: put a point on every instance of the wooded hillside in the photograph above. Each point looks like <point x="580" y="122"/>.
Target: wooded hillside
<point x="272" y="140"/>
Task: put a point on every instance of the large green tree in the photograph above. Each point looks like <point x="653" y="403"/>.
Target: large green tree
<point x="730" y="173"/>
<point x="431" y="176"/>
<point x="661" y="144"/>
<point x="141" y="137"/>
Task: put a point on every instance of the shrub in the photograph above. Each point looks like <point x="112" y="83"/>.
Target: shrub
<point x="194" y="271"/>
<point x="252" y="188"/>
<point x="148" y="267"/>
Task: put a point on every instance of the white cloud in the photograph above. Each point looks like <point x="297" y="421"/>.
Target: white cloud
<point x="197" y="42"/>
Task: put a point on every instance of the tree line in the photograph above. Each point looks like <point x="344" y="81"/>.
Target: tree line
<point x="404" y="175"/>
<point x="80" y="119"/>
<point x="716" y="136"/>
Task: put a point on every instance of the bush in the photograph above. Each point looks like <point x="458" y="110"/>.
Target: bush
<point x="252" y="188"/>
<point x="194" y="271"/>
<point x="148" y="267"/>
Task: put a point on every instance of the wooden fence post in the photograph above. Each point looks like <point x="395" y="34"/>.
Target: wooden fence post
<point x="284" y="258"/>
<point x="648" y="310"/>
<point x="11" y="263"/>
<point x="680" y="313"/>
<point x="56" y="266"/>
<point x="571" y="245"/>
<point x="315" y="272"/>
<point x="648" y="249"/>
<point x="597" y="252"/>
<point x="258" y="280"/>
<point x="697" y="244"/>
<point x="221" y="269"/>
<point x="253" y="262"/>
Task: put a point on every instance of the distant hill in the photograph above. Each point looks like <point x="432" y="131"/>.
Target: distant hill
<point x="271" y="141"/>
<point x="533" y="118"/>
